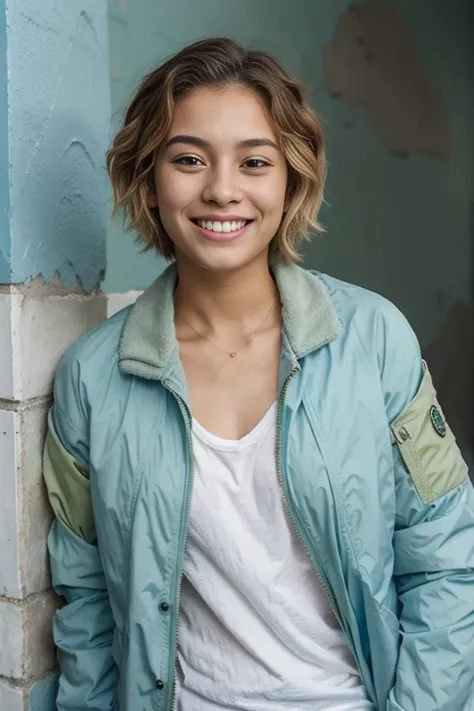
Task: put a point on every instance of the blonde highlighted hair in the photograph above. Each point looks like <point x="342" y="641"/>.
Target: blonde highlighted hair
<point x="219" y="62"/>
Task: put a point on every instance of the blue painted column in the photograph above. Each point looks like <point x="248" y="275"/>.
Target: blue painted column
<point x="54" y="211"/>
<point x="54" y="129"/>
<point x="5" y="254"/>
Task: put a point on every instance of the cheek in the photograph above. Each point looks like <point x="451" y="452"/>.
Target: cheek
<point x="277" y="190"/>
<point x="174" y="190"/>
<point x="271" y="197"/>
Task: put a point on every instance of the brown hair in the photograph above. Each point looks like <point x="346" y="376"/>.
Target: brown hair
<point x="219" y="62"/>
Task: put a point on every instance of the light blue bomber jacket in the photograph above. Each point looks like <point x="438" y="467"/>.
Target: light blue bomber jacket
<point x="370" y="473"/>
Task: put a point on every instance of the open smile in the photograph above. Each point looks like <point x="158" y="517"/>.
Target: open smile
<point x="221" y="230"/>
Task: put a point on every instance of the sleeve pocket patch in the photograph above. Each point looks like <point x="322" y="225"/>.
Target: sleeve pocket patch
<point x="427" y="444"/>
<point x="68" y="487"/>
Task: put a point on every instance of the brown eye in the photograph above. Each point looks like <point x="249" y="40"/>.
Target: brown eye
<point x="190" y="161"/>
<point x="255" y="163"/>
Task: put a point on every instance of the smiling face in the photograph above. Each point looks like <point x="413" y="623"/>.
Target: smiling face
<point x="220" y="179"/>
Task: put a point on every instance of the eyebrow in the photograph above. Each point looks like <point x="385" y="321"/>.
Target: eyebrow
<point x="201" y="143"/>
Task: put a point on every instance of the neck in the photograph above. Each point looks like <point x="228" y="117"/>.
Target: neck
<point x="216" y="300"/>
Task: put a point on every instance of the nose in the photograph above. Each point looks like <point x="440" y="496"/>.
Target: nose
<point x="222" y="186"/>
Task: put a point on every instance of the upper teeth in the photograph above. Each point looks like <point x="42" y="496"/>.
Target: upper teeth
<point x="222" y="226"/>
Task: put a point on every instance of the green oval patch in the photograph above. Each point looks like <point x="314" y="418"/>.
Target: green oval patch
<point x="437" y="421"/>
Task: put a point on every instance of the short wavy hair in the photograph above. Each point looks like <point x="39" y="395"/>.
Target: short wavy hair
<point x="219" y="62"/>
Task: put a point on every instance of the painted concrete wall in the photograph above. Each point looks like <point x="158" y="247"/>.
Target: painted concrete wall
<point x="400" y="220"/>
<point x="4" y="173"/>
<point x="57" y="188"/>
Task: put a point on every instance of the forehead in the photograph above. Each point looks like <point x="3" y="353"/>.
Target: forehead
<point x="221" y="115"/>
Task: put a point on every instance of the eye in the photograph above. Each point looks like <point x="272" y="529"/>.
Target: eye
<point x="188" y="161"/>
<point x="256" y="163"/>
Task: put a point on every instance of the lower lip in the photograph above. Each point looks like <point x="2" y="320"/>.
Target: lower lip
<point x="222" y="236"/>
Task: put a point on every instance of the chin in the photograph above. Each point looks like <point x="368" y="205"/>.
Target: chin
<point x="222" y="264"/>
<point x="222" y="258"/>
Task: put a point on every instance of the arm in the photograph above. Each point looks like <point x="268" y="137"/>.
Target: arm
<point x="83" y="629"/>
<point x="433" y="541"/>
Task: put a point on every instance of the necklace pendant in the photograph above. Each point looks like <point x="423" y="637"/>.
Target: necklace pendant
<point x="232" y="355"/>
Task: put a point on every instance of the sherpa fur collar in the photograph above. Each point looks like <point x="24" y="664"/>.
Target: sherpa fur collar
<point x="149" y="343"/>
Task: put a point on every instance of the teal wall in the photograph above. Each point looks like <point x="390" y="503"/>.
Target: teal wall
<point x="398" y="225"/>
<point x="54" y="126"/>
<point x="5" y="245"/>
<point x="403" y="226"/>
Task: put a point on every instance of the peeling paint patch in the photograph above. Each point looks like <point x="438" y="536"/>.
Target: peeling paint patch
<point x="372" y="61"/>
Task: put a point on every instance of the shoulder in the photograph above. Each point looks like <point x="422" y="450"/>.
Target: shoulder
<point x="98" y="347"/>
<point x="374" y="317"/>
<point x="89" y="362"/>
<point x="379" y="332"/>
<point x="350" y="300"/>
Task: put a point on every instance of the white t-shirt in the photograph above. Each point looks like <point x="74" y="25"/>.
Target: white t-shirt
<point x="256" y="630"/>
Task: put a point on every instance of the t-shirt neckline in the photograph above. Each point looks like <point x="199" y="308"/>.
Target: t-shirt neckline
<point x="216" y="442"/>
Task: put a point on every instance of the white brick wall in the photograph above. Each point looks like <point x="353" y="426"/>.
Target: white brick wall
<point x="26" y="627"/>
<point x="11" y="696"/>
<point x="37" y="329"/>
<point x="11" y="652"/>
<point x="46" y="322"/>
<point x="38" y="324"/>
<point x="118" y="301"/>
<point x="9" y="506"/>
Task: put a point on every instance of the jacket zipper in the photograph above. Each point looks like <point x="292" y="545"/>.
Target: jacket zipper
<point x="183" y="408"/>
<point x="312" y="554"/>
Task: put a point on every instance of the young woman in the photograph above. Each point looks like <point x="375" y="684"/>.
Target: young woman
<point x="259" y="504"/>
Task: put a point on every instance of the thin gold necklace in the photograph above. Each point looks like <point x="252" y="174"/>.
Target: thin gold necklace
<point x="231" y="354"/>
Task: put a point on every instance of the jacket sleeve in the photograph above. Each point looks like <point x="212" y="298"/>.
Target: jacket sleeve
<point x="83" y="628"/>
<point x="433" y="540"/>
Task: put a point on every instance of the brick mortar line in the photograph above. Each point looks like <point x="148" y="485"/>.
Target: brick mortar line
<point x="22" y="405"/>
<point x="28" y="682"/>
<point x="26" y="600"/>
<point x="40" y="289"/>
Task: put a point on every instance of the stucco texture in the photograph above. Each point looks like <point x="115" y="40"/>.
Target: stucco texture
<point x="58" y="111"/>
